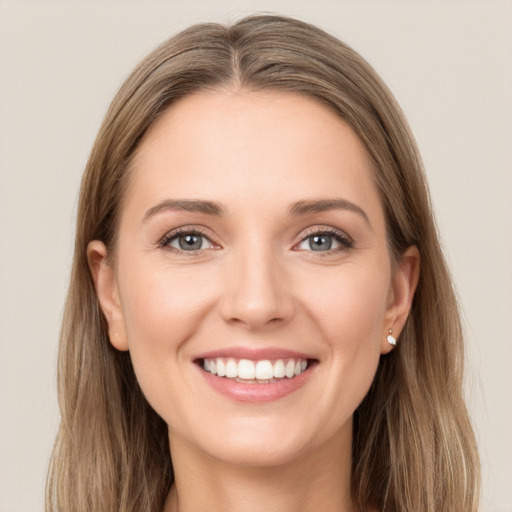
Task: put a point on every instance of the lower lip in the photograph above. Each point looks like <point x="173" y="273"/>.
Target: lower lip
<point x="256" y="392"/>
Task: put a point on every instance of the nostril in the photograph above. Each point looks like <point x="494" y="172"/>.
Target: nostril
<point x="256" y="299"/>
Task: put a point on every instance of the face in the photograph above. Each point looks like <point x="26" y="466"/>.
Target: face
<point x="252" y="283"/>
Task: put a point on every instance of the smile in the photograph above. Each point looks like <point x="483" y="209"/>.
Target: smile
<point x="255" y="375"/>
<point x="255" y="372"/>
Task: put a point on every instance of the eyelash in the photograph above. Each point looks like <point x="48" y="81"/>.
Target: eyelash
<point x="344" y="240"/>
<point x="168" y="238"/>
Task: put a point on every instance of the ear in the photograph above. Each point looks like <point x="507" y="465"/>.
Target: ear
<point x="104" y="278"/>
<point x="403" y="286"/>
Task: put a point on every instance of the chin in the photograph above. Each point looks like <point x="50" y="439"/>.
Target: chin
<point x="256" y="451"/>
<point x="267" y="441"/>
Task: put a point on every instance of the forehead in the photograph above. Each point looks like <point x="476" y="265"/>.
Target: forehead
<point x="238" y="147"/>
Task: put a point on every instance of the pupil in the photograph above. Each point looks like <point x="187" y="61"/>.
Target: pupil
<point x="320" y="243"/>
<point x="189" y="242"/>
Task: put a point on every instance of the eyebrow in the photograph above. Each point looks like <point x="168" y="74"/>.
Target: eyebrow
<point x="207" y="207"/>
<point x="304" y="207"/>
<point x="323" y="205"/>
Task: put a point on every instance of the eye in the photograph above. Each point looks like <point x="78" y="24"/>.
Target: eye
<point x="189" y="241"/>
<point x="324" y="241"/>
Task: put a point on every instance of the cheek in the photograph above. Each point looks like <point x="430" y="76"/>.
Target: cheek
<point x="163" y="305"/>
<point x="163" y="309"/>
<point x="350" y="302"/>
<point x="350" y="313"/>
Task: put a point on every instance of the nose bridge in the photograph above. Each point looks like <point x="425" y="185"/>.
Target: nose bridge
<point x="256" y="288"/>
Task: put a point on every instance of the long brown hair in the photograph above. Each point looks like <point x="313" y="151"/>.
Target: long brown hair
<point x="413" y="447"/>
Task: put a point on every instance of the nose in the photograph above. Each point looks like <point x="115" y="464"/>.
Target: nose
<point x="257" y="294"/>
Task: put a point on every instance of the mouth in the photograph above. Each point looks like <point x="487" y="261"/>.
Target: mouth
<point x="263" y="371"/>
<point x="257" y="375"/>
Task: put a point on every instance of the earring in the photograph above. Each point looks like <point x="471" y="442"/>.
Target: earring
<point x="391" y="340"/>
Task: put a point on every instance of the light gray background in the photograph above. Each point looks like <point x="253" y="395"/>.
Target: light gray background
<point x="449" y="64"/>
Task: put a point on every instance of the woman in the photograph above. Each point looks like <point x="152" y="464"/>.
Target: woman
<point x="260" y="316"/>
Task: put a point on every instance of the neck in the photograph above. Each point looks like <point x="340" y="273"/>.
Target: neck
<point x="316" y="480"/>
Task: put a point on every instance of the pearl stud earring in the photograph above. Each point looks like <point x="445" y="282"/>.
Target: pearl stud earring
<point x="390" y="338"/>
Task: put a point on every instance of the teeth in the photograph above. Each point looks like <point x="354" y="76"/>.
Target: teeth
<point x="221" y="368"/>
<point x="231" y="369"/>
<point x="246" y="369"/>
<point x="263" y="371"/>
<point x="289" y="369"/>
<point x="279" y="372"/>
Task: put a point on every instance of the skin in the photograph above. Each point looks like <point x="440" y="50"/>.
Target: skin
<point x="254" y="283"/>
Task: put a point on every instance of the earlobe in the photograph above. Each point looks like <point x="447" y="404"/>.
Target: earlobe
<point x="404" y="283"/>
<point x="104" y="278"/>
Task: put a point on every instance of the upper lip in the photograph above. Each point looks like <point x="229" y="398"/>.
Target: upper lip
<point x="254" y="354"/>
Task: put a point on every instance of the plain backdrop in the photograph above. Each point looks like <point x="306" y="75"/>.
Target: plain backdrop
<point x="449" y="64"/>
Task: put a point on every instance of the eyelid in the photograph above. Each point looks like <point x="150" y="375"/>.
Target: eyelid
<point x="185" y="230"/>
<point x="346" y="240"/>
<point x="323" y="228"/>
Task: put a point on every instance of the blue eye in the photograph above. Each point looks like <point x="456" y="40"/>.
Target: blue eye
<point x="188" y="241"/>
<point x="325" y="241"/>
